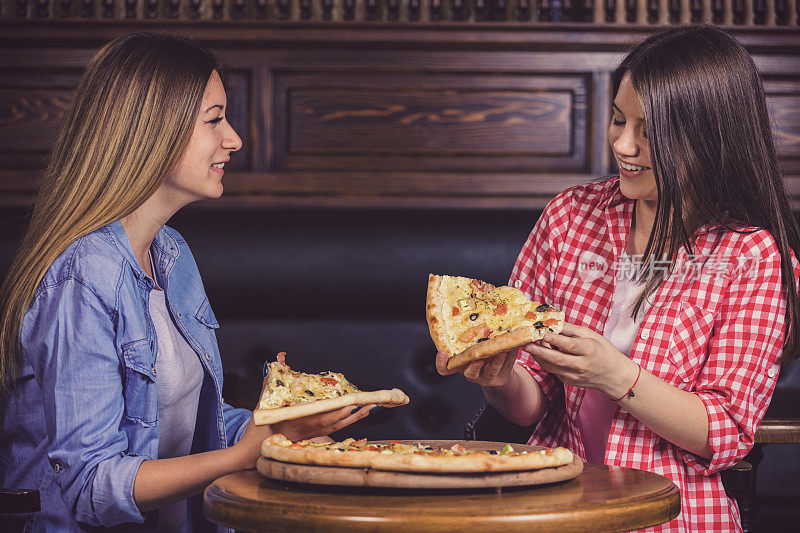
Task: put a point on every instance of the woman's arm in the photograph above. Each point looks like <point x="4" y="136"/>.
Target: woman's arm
<point x="161" y="482"/>
<point x="507" y="386"/>
<point x="586" y="359"/>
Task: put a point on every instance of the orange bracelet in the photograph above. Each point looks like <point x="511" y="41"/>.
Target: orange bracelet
<point x="630" y="393"/>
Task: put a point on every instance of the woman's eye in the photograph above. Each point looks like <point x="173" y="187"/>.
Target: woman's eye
<point x="617" y="122"/>
<point x="215" y="120"/>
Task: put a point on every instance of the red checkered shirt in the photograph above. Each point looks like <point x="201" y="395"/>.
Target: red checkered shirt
<point x="714" y="328"/>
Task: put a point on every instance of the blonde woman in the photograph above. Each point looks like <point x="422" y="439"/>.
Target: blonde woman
<point x="111" y="374"/>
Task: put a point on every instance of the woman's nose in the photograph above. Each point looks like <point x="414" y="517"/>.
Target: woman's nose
<point x="626" y="143"/>
<point x="232" y="140"/>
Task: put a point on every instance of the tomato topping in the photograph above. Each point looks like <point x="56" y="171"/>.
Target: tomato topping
<point x="329" y="381"/>
<point x="296" y="446"/>
<point x="501" y="309"/>
<point x="458" y="448"/>
<point x="372" y="448"/>
<point x="359" y="442"/>
<point x="456" y="311"/>
<point x="395" y="442"/>
<point x="530" y="315"/>
<point x="550" y="322"/>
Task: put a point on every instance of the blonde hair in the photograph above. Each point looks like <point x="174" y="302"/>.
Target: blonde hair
<point x="130" y="120"/>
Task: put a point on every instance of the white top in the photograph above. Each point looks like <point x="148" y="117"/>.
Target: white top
<point x="179" y="376"/>
<point x="594" y="415"/>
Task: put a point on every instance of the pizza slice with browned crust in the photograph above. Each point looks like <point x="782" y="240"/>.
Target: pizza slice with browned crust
<point x="288" y="394"/>
<point x="470" y="319"/>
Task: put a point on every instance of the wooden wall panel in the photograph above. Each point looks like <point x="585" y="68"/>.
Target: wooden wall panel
<point x="430" y="116"/>
<point x="430" y="122"/>
<point x="32" y="104"/>
<point x="783" y="96"/>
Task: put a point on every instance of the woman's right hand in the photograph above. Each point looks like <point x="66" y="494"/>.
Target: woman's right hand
<point x="248" y="449"/>
<point x="493" y="371"/>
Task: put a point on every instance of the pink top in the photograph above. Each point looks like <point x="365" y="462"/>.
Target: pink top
<point x="596" y="410"/>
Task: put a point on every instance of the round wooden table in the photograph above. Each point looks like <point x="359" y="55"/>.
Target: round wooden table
<point x="600" y="498"/>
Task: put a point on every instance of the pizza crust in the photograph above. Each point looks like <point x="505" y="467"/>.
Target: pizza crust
<point x="278" y="448"/>
<point x="434" y="304"/>
<point x="547" y="458"/>
<point x="502" y="343"/>
<point x="386" y="398"/>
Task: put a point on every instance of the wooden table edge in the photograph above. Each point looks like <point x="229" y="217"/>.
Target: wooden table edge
<point x="663" y="506"/>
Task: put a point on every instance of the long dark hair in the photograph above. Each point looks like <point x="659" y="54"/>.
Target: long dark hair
<point x="711" y="146"/>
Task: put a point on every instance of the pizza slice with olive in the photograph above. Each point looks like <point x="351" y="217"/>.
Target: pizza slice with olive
<point x="470" y="319"/>
<point x="288" y="394"/>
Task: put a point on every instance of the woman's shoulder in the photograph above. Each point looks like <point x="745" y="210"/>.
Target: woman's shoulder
<point x="93" y="260"/>
<point x="592" y="195"/>
<point x="582" y="203"/>
<point x="747" y="241"/>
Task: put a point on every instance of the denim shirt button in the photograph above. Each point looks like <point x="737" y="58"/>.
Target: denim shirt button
<point x="57" y="468"/>
<point x="208" y="357"/>
<point x="154" y="370"/>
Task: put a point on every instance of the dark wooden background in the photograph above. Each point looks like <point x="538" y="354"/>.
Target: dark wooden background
<point x="377" y="115"/>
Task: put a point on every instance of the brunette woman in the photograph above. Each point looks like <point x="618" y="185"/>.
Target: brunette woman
<point x="111" y="374"/>
<point x="678" y="279"/>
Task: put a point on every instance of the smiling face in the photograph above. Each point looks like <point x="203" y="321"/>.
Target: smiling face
<point x="198" y="174"/>
<point x="627" y="135"/>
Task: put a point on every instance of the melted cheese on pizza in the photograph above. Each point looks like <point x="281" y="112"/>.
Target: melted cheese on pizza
<point x="287" y="387"/>
<point x="475" y="311"/>
<point x="350" y="444"/>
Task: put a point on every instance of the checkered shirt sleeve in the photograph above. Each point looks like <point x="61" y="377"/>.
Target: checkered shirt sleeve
<point x="531" y="274"/>
<point x="737" y="381"/>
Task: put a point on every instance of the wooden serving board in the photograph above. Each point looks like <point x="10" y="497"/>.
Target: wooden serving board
<point x="368" y="477"/>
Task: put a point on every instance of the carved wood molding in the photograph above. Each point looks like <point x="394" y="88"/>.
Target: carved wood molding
<point x="527" y="12"/>
<point x="383" y="115"/>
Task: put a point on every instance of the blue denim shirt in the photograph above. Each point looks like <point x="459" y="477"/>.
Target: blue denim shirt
<point x="83" y="414"/>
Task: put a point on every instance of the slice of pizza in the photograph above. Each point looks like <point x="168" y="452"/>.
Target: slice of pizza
<point x="470" y="319"/>
<point x="288" y="394"/>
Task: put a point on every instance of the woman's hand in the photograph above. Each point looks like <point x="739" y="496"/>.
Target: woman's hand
<point x="584" y="358"/>
<point x="494" y="371"/>
<point x="248" y="449"/>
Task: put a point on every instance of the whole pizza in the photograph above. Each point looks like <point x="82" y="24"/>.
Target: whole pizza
<point x="406" y="456"/>
<point x="470" y="319"/>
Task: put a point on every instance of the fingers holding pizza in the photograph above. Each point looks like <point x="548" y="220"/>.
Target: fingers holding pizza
<point x="582" y="357"/>
<point x="494" y="371"/>
<point x="308" y="427"/>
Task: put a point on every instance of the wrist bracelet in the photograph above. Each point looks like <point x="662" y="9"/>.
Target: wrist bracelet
<point x="630" y="393"/>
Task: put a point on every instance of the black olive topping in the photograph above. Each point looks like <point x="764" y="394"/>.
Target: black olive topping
<point x="543" y="307"/>
<point x="473" y="316"/>
<point x="493" y="452"/>
<point x="483" y="339"/>
<point x="539" y="325"/>
<point x="551" y="330"/>
<point x="309" y="392"/>
<point x="280" y="383"/>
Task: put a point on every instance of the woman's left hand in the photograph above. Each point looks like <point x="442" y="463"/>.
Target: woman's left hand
<point x="584" y="358"/>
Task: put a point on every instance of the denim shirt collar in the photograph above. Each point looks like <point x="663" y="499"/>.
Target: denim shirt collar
<point x="163" y="241"/>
